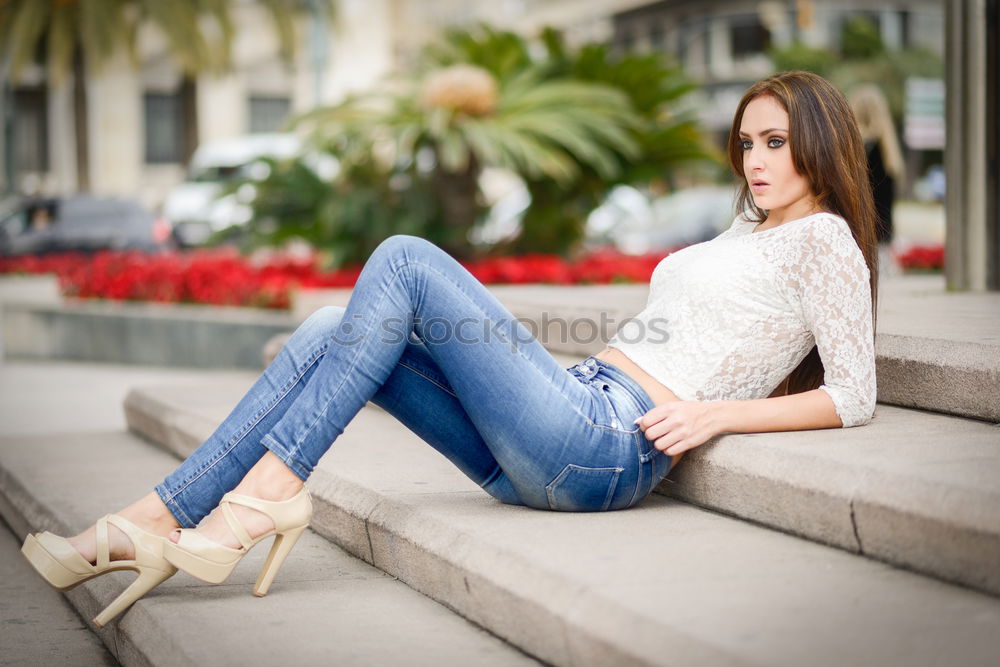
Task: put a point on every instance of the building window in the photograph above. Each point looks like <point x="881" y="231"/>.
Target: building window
<point x="748" y="37"/>
<point x="31" y="130"/>
<point x="268" y="114"/>
<point x="164" y="127"/>
<point x="658" y="37"/>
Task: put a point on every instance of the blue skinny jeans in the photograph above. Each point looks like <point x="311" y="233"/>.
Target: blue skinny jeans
<point x="426" y="341"/>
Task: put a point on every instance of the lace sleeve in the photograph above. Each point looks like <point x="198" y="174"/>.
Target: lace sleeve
<point x="836" y="304"/>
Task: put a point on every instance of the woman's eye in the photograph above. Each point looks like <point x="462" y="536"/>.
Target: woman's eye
<point x="746" y="144"/>
<point x="775" y="142"/>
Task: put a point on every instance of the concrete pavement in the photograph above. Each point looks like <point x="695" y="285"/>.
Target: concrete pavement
<point x="27" y="604"/>
<point x="65" y="459"/>
<point x="663" y="583"/>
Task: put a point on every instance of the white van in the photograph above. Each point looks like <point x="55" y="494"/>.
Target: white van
<point x="195" y="208"/>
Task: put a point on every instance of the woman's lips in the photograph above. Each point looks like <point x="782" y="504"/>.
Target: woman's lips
<point x="759" y="187"/>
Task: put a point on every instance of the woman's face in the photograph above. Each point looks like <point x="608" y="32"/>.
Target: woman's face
<point x="767" y="163"/>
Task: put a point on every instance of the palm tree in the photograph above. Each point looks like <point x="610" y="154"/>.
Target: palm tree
<point x="459" y="119"/>
<point x="71" y="35"/>
<point x="663" y="140"/>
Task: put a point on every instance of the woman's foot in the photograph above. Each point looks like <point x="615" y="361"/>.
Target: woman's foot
<point x="270" y="479"/>
<point x="148" y="513"/>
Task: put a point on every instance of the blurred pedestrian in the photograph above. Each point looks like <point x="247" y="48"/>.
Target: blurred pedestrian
<point x="885" y="165"/>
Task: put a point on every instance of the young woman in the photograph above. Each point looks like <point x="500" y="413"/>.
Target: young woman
<point x="767" y="327"/>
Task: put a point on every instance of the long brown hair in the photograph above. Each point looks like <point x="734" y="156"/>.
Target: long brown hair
<point x="828" y="151"/>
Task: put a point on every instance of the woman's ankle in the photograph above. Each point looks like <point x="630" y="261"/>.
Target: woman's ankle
<point x="148" y="513"/>
<point x="151" y="514"/>
<point x="270" y="479"/>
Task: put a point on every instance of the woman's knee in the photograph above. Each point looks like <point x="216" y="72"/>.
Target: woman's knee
<point x="321" y="324"/>
<point x="404" y="246"/>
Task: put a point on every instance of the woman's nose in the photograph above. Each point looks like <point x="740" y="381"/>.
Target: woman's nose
<point x="754" y="159"/>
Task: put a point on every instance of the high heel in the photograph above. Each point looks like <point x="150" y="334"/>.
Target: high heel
<point x="64" y="568"/>
<point x="214" y="562"/>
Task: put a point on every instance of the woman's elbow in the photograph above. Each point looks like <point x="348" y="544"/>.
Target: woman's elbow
<point x="852" y="409"/>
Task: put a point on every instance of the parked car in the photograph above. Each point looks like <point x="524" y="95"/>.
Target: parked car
<point x="628" y="219"/>
<point x="200" y="206"/>
<point x="635" y="224"/>
<point x="79" y="222"/>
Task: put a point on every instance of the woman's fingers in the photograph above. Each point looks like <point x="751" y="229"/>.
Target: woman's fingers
<point x="666" y="442"/>
<point x="660" y="433"/>
<point x="654" y="415"/>
<point x="675" y="427"/>
<point x="657" y="430"/>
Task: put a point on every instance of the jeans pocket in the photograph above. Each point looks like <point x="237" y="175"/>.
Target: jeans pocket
<point x="621" y="409"/>
<point x="581" y="489"/>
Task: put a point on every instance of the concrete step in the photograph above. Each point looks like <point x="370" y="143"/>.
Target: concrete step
<point x="935" y="350"/>
<point x="326" y="606"/>
<point x="663" y="583"/>
<point x="914" y="488"/>
<point x="140" y="333"/>
<point x="27" y="603"/>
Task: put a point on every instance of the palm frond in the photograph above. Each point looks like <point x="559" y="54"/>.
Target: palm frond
<point x="30" y="20"/>
<point x="101" y="26"/>
<point x="62" y="41"/>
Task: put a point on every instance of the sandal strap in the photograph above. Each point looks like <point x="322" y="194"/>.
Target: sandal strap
<point x="131" y="531"/>
<point x="262" y="506"/>
<point x="103" y="547"/>
<point x="235" y="526"/>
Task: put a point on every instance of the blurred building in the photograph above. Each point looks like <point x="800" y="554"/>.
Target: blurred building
<point x="144" y="120"/>
<point x="723" y="44"/>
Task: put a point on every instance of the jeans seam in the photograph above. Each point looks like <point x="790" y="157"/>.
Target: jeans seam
<point x="492" y="478"/>
<point x="641" y="469"/>
<point x="296" y="445"/>
<point x="428" y="378"/>
<point x="250" y="426"/>
<point x="517" y="350"/>
<point x="396" y="269"/>
<point x="286" y="457"/>
<point x="175" y="508"/>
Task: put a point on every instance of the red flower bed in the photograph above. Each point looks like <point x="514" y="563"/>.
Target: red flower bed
<point x="223" y="277"/>
<point x="922" y="257"/>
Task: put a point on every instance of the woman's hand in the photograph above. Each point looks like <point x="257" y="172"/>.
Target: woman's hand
<point x="677" y="426"/>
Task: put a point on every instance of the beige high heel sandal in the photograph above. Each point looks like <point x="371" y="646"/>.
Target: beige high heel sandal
<point x="213" y="562"/>
<point x="64" y="568"/>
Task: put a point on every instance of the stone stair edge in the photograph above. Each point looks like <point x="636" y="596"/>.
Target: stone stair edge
<point x="393" y="536"/>
<point x="147" y="633"/>
<point x="779" y="481"/>
<point x="405" y="536"/>
<point x="153" y="631"/>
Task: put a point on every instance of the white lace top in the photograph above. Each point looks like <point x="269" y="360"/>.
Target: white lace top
<point x="730" y="318"/>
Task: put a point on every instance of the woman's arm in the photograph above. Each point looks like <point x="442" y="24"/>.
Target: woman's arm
<point x="678" y="426"/>
<point x="796" y="412"/>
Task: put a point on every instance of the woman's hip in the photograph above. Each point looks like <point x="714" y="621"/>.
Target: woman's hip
<point x="602" y="462"/>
